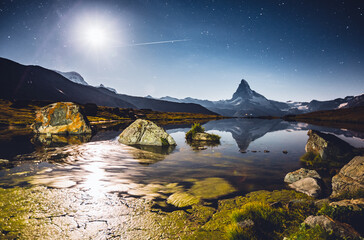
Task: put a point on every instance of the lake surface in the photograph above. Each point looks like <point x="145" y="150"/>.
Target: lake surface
<point x="253" y="155"/>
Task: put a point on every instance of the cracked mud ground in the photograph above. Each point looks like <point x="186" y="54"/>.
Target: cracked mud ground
<point x="43" y="213"/>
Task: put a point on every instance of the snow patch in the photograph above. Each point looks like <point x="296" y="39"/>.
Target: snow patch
<point x="342" y="105"/>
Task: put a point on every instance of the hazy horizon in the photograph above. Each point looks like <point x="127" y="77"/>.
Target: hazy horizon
<point x="285" y="50"/>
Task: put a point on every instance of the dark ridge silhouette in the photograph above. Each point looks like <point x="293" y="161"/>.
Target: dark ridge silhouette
<point x="20" y="82"/>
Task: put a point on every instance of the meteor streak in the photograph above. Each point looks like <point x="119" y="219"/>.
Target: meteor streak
<point x="160" y="42"/>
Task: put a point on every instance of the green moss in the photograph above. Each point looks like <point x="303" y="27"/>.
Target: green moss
<point x="311" y="159"/>
<point x="214" y="137"/>
<point x="270" y="222"/>
<point x="196" y="128"/>
<point x="307" y="233"/>
<point x="235" y="232"/>
<point x="350" y="195"/>
<point x="267" y="220"/>
<point x="347" y="214"/>
<point x="164" y="142"/>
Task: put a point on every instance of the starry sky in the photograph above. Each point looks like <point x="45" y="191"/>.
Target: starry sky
<point x="286" y="50"/>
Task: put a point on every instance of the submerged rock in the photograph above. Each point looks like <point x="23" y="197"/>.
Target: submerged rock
<point x="210" y="188"/>
<point x="61" y="118"/>
<point x="300" y="174"/>
<point x="144" y="132"/>
<point x="341" y="230"/>
<point x="182" y="199"/>
<point x="308" y="185"/>
<point x="350" y="180"/>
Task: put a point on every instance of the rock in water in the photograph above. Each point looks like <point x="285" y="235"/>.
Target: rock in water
<point x="350" y="179"/>
<point x="61" y="118"/>
<point x="308" y="185"/>
<point x="329" y="147"/>
<point x="144" y="132"/>
<point x="182" y="199"/>
<point x="205" y="137"/>
<point x="300" y="174"/>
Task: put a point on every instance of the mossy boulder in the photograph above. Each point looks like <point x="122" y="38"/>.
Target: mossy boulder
<point x="327" y="150"/>
<point x="61" y="118"/>
<point x="197" y="133"/>
<point x="349" y="182"/>
<point x="340" y="230"/>
<point x="350" y="211"/>
<point x="145" y="132"/>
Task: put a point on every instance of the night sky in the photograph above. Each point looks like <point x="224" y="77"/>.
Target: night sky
<point x="286" y="50"/>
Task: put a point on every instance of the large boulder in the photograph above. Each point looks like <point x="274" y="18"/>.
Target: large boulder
<point x="144" y="132"/>
<point x="308" y="185"/>
<point x="328" y="147"/>
<point x="299" y="174"/>
<point x="338" y="229"/>
<point x="350" y="180"/>
<point x="61" y="118"/>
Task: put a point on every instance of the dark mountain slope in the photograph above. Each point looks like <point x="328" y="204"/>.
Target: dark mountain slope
<point x="19" y="82"/>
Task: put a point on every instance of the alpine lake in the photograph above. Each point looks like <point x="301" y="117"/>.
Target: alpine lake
<point x="93" y="187"/>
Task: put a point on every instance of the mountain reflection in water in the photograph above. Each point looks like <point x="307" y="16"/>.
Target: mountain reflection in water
<point x="102" y="166"/>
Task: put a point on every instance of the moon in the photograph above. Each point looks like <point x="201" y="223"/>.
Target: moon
<point x="96" y="37"/>
<point x="95" y="33"/>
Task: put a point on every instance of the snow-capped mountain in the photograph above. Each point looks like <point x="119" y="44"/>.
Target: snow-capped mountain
<point x="244" y="102"/>
<point x="108" y="88"/>
<point x="315" y="105"/>
<point x="73" y="76"/>
<point x="247" y="102"/>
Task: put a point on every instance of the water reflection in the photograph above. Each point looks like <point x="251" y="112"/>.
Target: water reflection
<point x="201" y="145"/>
<point x="60" y="140"/>
<point x="104" y="165"/>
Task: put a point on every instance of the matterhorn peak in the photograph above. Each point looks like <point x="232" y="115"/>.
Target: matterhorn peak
<point x="243" y="90"/>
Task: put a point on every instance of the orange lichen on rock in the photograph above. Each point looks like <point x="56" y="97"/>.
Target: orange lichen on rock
<point x="61" y="118"/>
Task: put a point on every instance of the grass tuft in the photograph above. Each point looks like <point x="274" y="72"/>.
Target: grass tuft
<point x="196" y="128"/>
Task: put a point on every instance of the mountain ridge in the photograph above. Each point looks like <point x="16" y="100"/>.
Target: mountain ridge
<point x="247" y="102"/>
<point x="21" y="82"/>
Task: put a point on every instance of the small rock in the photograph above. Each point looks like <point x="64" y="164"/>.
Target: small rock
<point x="254" y="151"/>
<point x="309" y="186"/>
<point x="144" y="132"/>
<point x="300" y="174"/>
<point x="285" y="151"/>
<point x="242" y="151"/>
<point x="321" y="202"/>
<point x="205" y="137"/>
<point x="353" y="204"/>
<point x="266" y="151"/>
<point x="344" y="231"/>
<point x="350" y="179"/>
<point x="246" y="223"/>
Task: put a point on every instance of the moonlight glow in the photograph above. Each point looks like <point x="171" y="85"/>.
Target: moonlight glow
<point x="95" y="36"/>
<point x="95" y="32"/>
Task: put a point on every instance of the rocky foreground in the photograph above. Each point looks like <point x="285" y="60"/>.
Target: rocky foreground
<point x="317" y="208"/>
